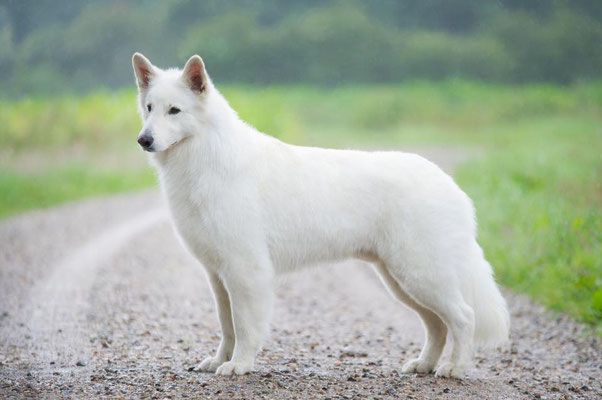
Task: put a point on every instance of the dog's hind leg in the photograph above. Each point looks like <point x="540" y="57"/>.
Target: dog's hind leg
<point x="435" y="329"/>
<point x="438" y="290"/>
<point x="224" y="313"/>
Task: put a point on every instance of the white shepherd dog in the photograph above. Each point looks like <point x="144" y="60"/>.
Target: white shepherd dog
<point x="249" y="207"/>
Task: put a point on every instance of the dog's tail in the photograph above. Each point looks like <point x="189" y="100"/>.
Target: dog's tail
<point x="492" y="321"/>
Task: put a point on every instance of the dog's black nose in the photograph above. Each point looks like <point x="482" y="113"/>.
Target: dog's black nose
<point x="146" y="141"/>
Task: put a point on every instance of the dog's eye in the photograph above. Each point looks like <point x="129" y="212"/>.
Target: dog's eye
<point x="173" y="110"/>
<point x="149" y="107"/>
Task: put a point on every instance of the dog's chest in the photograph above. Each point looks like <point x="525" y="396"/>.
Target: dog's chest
<point x="189" y="199"/>
<point x="208" y="211"/>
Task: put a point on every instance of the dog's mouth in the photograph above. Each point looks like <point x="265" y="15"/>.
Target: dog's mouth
<point x="152" y="149"/>
<point x="177" y="142"/>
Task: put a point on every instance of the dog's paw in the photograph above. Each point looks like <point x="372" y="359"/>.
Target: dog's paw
<point x="209" y="364"/>
<point x="451" y="370"/>
<point x="417" y="365"/>
<point x="234" y="367"/>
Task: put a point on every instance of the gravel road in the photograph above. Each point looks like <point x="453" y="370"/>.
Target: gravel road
<point x="98" y="299"/>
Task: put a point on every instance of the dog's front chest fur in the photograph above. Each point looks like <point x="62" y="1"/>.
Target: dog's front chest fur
<point x="212" y="208"/>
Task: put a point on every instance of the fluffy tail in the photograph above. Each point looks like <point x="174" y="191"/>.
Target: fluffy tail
<point x="492" y="320"/>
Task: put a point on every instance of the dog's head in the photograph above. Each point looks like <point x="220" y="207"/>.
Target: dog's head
<point x="170" y="102"/>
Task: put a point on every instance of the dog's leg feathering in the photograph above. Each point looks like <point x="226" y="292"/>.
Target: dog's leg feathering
<point x="435" y="329"/>
<point x="226" y="346"/>
<point x="251" y="296"/>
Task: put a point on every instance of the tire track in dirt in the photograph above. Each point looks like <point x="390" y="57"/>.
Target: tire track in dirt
<point x="58" y="304"/>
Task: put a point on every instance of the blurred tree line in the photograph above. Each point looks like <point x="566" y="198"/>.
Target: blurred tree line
<point x="49" y="46"/>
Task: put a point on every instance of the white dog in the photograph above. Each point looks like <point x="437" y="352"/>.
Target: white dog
<point x="249" y="207"/>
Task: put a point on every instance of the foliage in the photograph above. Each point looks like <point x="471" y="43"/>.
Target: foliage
<point x="380" y="114"/>
<point x="93" y="120"/>
<point x="51" y="46"/>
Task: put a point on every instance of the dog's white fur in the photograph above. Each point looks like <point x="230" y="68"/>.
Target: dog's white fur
<point x="249" y="207"/>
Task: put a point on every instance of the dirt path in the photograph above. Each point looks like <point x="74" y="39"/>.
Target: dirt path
<point x="97" y="299"/>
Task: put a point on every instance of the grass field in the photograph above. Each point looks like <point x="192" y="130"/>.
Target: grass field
<point x="539" y="203"/>
<point x="537" y="190"/>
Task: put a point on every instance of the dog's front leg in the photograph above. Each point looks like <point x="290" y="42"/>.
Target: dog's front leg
<point x="226" y="346"/>
<point x="251" y="294"/>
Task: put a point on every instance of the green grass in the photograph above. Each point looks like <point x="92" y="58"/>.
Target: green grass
<point x="23" y="191"/>
<point x="537" y="190"/>
<point x="539" y="203"/>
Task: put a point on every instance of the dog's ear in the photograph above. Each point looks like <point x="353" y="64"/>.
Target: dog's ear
<point x="194" y="74"/>
<point x="144" y="71"/>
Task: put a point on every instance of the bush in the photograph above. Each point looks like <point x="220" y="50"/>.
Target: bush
<point x="430" y="55"/>
<point x="562" y="48"/>
<point x="89" y="44"/>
